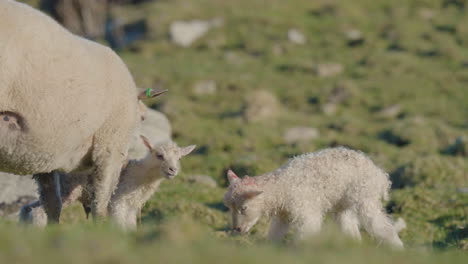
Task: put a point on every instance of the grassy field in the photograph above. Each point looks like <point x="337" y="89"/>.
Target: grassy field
<point x="401" y="96"/>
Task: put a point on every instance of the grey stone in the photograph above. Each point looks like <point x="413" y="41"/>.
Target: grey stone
<point x="329" y="108"/>
<point x="261" y="105"/>
<point x="205" y="87"/>
<point x="13" y="187"/>
<point x="328" y="69"/>
<point x="390" y="111"/>
<point x="203" y="179"/>
<point x="300" y="134"/>
<point x="185" y="33"/>
<point x="296" y="37"/>
<point x="426" y="13"/>
<point x="354" y="37"/>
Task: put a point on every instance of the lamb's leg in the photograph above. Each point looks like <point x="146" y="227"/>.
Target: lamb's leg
<point x="131" y="224"/>
<point x="110" y="148"/>
<point x="123" y="216"/>
<point x="379" y="225"/>
<point x="49" y="195"/>
<point x="278" y="229"/>
<point x="349" y="223"/>
<point x="309" y="225"/>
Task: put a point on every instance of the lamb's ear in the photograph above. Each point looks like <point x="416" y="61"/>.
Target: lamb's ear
<point x="146" y="142"/>
<point x="251" y="194"/>
<point x="142" y="109"/>
<point x="186" y="150"/>
<point x="232" y="177"/>
<point x="150" y="93"/>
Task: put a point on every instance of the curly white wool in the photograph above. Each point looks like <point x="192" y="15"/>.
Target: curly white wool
<point x="340" y="181"/>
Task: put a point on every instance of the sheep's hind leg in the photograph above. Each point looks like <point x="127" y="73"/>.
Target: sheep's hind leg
<point x="103" y="183"/>
<point x="309" y="226"/>
<point x="349" y="223"/>
<point x="49" y="195"/>
<point x="379" y="225"/>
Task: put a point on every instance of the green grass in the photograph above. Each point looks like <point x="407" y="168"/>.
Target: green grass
<point x="405" y="59"/>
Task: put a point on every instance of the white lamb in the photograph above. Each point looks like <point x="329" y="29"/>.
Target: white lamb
<point x="139" y="180"/>
<point x="299" y="194"/>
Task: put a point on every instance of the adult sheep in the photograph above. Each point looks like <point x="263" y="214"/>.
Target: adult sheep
<point x="65" y="103"/>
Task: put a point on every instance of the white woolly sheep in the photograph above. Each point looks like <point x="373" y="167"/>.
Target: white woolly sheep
<point x="65" y="103"/>
<point x="299" y="194"/>
<point x="139" y="180"/>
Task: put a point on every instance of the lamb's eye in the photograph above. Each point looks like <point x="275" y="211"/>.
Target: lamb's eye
<point x="243" y="209"/>
<point x="160" y="156"/>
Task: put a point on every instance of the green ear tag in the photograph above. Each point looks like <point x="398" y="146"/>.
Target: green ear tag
<point x="148" y="92"/>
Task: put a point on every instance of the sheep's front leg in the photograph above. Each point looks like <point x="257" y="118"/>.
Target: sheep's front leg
<point x="278" y="229"/>
<point x="309" y="225"/>
<point x="49" y="195"/>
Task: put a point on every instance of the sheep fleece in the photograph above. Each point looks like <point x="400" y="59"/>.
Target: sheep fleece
<point x="63" y="88"/>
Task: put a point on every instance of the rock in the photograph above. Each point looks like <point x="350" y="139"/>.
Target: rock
<point x="426" y="13"/>
<point x="279" y="50"/>
<point x="185" y="33"/>
<point x="300" y="134"/>
<point x="462" y="190"/>
<point x="203" y="179"/>
<point x="233" y="58"/>
<point x="341" y="92"/>
<point x="13" y="187"/>
<point x="328" y="69"/>
<point x="296" y="37"/>
<point x="329" y="108"/>
<point x="15" y="191"/>
<point x="261" y="105"/>
<point x="354" y="37"/>
<point x="156" y="128"/>
<point x="205" y="87"/>
<point x="390" y="111"/>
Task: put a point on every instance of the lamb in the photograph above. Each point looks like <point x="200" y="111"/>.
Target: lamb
<point x="66" y="103"/>
<point x="139" y="180"/>
<point x="340" y="181"/>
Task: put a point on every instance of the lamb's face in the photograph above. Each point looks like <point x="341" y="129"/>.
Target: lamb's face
<point x="244" y="201"/>
<point x="167" y="157"/>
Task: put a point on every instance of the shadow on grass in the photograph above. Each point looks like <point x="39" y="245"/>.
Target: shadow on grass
<point x="455" y="233"/>
<point x="217" y="206"/>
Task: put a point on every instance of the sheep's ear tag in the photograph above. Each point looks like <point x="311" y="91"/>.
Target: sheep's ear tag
<point x="232" y="177"/>
<point x="150" y="93"/>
